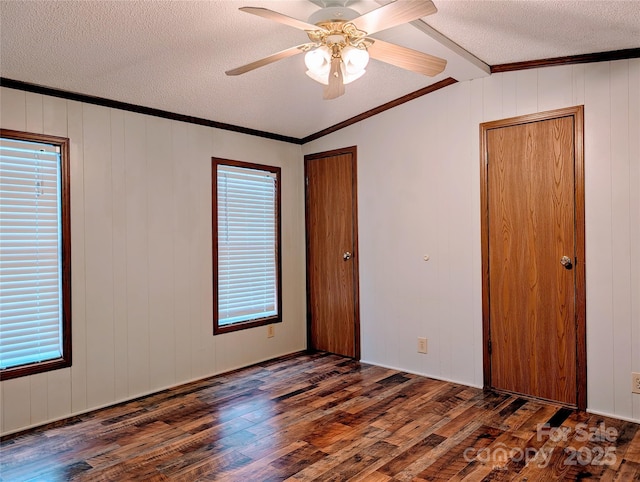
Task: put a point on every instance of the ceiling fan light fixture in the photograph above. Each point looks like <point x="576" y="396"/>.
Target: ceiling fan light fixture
<point x="321" y="78"/>
<point x="347" y="78"/>
<point x="352" y="65"/>
<point x="318" y="62"/>
<point x="355" y="59"/>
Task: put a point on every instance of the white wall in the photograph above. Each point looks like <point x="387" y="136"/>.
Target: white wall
<point x="141" y="257"/>
<point x="418" y="193"/>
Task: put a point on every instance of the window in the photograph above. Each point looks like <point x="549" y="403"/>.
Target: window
<point x="246" y="245"/>
<point x="35" y="254"/>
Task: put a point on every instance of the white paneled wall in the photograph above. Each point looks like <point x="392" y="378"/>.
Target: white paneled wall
<point x="418" y="189"/>
<point x="141" y="257"/>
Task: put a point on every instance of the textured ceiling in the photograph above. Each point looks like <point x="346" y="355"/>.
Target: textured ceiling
<point x="171" y="55"/>
<point x="504" y="31"/>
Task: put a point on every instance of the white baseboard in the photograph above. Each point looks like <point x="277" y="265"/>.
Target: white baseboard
<point x="610" y="415"/>
<point x="427" y="375"/>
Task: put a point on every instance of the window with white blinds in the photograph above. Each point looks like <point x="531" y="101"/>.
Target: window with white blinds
<point x="246" y="280"/>
<point x="31" y="255"/>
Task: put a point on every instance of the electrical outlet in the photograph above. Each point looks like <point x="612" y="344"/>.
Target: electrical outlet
<point x="635" y="380"/>
<point x="271" y="331"/>
<point x="422" y="345"/>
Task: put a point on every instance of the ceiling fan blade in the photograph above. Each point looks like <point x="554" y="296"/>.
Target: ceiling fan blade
<point x="392" y="14"/>
<point x="279" y="17"/>
<point x="406" y="58"/>
<point x="283" y="54"/>
<point x="336" y="82"/>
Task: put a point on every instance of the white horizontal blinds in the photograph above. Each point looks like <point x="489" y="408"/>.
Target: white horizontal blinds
<point x="246" y="244"/>
<point x="30" y="253"/>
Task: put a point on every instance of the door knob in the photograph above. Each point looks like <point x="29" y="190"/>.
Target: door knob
<point x="346" y="255"/>
<point x="566" y="262"/>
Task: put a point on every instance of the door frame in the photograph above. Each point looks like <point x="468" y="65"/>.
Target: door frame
<point x="577" y="113"/>
<point x="356" y="255"/>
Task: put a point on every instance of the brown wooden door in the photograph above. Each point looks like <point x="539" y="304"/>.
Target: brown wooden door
<point x="332" y="252"/>
<point x="534" y="299"/>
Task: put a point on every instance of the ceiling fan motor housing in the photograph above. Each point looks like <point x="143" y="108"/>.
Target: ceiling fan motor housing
<point x="333" y="14"/>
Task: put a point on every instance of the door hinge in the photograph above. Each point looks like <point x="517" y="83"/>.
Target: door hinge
<point x="306" y="180"/>
<point x="490" y="347"/>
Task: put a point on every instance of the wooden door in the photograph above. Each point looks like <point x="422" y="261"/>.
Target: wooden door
<point x="533" y="256"/>
<point x="332" y="252"/>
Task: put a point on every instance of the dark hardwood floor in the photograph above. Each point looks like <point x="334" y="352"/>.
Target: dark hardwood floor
<point x="323" y="417"/>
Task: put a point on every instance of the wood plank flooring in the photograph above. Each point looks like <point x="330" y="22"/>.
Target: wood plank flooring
<point x="322" y="417"/>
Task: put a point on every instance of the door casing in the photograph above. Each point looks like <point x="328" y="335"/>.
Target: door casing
<point x="577" y="113"/>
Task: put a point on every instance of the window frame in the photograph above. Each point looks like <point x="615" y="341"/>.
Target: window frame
<point x="65" y="360"/>
<point x="243" y="325"/>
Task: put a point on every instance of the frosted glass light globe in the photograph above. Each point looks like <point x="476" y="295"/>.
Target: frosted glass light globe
<point x="355" y="59"/>
<point x="318" y="59"/>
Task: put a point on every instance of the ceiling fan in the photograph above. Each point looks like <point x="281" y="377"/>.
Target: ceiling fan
<point x="340" y="46"/>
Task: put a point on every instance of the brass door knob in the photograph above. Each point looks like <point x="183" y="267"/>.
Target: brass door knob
<point x="566" y="262"/>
